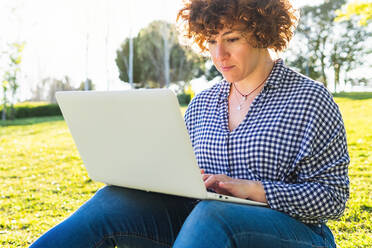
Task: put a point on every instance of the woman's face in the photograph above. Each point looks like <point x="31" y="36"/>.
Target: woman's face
<point x="233" y="56"/>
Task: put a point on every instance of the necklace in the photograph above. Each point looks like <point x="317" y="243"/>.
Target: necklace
<point x="245" y="96"/>
<point x="241" y="103"/>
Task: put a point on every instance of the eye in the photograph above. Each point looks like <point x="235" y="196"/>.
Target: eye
<point x="232" y="39"/>
<point x="211" y="42"/>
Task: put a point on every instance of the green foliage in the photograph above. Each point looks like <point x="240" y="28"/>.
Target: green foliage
<point x="11" y="75"/>
<point x="212" y="73"/>
<point x="91" y="86"/>
<point x="37" y="158"/>
<point x="24" y="110"/>
<point x="363" y="9"/>
<point x="149" y="57"/>
<point x="184" y="99"/>
<point x="122" y="61"/>
<point x="354" y="95"/>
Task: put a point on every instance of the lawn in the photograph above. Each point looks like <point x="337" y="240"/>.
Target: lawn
<point x="43" y="181"/>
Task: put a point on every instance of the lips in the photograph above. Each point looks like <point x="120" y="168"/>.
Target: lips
<point x="226" y="68"/>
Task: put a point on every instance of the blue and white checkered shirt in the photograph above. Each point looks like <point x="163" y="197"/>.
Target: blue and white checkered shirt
<point x="293" y="140"/>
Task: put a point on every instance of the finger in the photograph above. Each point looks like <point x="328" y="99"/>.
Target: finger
<point x="202" y="171"/>
<point x="211" y="181"/>
<point x="221" y="190"/>
<point x="216" y="178"/>
<point x="206" y="176"/>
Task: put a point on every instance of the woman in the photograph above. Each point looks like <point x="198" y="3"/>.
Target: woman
<point x="264" y="132"/>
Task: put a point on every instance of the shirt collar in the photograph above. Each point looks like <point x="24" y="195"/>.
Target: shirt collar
<point x="274" y="79"/>
<point x="276" y="74"/>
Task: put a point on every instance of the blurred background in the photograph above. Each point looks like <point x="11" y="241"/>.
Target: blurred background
<point x="50" y="45"/>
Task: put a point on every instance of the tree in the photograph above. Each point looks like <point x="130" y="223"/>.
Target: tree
<point x="324" y="44"/>
<point x="39" y="93"/>
<point x="347" y="50"/>
<point x="314" y="29"/>
<point x="11" y="74"/>
<point x="45" y="90"/>
<point x="86" y="85"/>
<point x="59" y="85"/>
<point x="158" y="58"/>
<point x="363" y="9"/>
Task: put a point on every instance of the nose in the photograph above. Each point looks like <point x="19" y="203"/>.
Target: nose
<point x="221" y="52"/>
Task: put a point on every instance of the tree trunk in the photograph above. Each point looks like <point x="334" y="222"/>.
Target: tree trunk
<point x="3" y="114"/>
<point x="166" y="63"/>
<point x="86" y="86"/>
<point x="337" y="75"/>
<point x="165" y="35"/>
<point x="324" y="76"/>
<point x="322" y="61"/>
<point x="12" y="112"/>
<point x="180" y="69"/>
<point x="130" y="71"/>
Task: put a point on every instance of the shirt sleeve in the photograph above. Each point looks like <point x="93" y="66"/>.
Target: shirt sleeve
<point x="190" y="119"/>
<point x="322" y="186"/>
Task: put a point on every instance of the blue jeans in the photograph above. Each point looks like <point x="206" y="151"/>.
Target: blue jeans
<point x="131" y="218"/>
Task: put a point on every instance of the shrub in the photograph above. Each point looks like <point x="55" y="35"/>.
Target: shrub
<point x="25" y="110"/>
<point x="184" y="99"/>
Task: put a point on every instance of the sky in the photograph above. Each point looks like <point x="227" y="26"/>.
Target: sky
<point x="69" y="37"/>
<point x="78" y="38"/>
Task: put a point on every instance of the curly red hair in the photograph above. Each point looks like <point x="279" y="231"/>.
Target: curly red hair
<point x="269" y="23"/>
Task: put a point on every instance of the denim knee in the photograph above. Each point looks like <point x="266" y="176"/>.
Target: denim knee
<point x="222" y="224"/>
<point x="203" y="228"/>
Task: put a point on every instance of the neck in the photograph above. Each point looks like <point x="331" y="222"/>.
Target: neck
<point x="258" y="75"/>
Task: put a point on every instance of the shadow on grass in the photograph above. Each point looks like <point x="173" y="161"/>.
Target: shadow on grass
<point x="30" y="121"/>
<point x="354" y="95"/>
<point x="366" y="208"/>
<point x="36" y="120"/>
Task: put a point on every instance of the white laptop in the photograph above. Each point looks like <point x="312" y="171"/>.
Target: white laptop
<point x="136" y="139"/>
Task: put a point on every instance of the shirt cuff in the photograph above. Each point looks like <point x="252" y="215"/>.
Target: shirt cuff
<point x="270" y="189"/>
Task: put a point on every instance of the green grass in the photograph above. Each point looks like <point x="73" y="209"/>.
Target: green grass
<point x="42" y="179"/>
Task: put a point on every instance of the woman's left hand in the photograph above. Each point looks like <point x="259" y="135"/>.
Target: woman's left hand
<point x="246" y="189"/>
